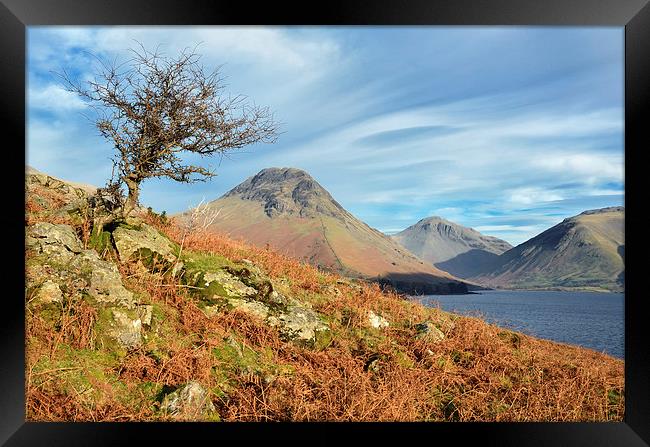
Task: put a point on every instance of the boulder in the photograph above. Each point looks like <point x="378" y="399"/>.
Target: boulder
<point x="300" y="324"/>
<point x="104" y="280"/>
<point x="48" y="292"/>
<point x="251" y="307"/>
<point x="190" y="402"/>
<point x="143" y="242"/>
<point x="125" y="329"/>
<point x="57" y="240"/>
<point x="227" y="285"/>
<point x="71" y="190"/>
<point x="59" y="266"/>
<point x="429" y="332"/>
<point x="248" y="290"/>
<point x="145" y="312"/>
<point x="377" y="321"/>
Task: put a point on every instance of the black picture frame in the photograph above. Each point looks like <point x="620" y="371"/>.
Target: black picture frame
<point x="16" y="15"/>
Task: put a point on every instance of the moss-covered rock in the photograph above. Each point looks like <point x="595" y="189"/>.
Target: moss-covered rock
<point x="227" y="285"/>
<point x="146" y="244"/>
<point x="300" y="324"/>
<point x="49" y="292"/>
<point x="429" y="332"/>
<point x="189" y="402"/>
<point x="56" y="240"/>
<point x="58" y="268"/>
<point x="126" y="328"/>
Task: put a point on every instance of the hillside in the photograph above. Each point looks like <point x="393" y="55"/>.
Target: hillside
<point x="146" y="322"/>
<point x="288" y="210"/>
<point x="451" y="247"/>
<point x="35" y="173"/>
<point x="585" y="251"/>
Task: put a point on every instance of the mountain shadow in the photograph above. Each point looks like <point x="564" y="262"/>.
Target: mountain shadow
<point x="470" y="263"/>
<point x="421" y="284"/>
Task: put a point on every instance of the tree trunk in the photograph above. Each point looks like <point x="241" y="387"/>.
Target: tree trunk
<point x="133" y="197"/>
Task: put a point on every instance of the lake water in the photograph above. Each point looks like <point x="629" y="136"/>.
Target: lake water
<point x="590" y="319"/>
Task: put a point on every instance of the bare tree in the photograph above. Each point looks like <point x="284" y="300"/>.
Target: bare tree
<point x="157" y="109"/>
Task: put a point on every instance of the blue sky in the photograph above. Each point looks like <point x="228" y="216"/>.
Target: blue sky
<point x="507" y="130"/>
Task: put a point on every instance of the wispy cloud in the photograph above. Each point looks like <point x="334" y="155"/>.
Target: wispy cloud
<point x="474" y="124"/>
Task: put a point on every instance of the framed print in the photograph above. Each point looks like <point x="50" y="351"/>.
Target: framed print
<point x="361" y="218"/>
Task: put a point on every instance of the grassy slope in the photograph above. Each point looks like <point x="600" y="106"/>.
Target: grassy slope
<point x="581" y="252"/>
<point x="478" y="372"/>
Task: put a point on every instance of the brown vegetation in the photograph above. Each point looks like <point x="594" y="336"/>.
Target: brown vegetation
<point x="478" y="372"/>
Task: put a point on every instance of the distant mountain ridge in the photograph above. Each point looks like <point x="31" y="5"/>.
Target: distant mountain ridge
<point x="289" y="210"/>
<point x="456" y="249"/>
<point x="584" y="251"/>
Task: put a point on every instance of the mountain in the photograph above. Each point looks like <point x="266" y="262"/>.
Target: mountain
<point x="288" y="210"/>
<point x="456" y="249"/>
<point x="584" y="251"/>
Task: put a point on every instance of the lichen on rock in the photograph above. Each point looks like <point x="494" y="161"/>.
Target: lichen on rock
<point x="49" y="292"/>
<point x="377" y="321"/>
<point x="189" y="402"/>
<point x="56" y="240"/>
<point x="146" y="244"/>
<point x="63" y="268"/>
<point x="125" y="329"/>
<point x="300" y="324"/>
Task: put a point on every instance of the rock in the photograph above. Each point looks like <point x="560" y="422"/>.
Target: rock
<point x="300" y="324"/>
<point x="59" y="243"/>
<point x="429" y="332"/>
<point x="247" y="289"/>
<point x="145" y="243"/>
<point x="105" y="282"/>
<point x="277" y="299"/>
<point x="71" y="190"/>
<point x="126" y="330"/>
<point x="190" y="402"/>
<point x="251" y="307"/>
<point x="57" y="240"/>
<point x="69" y="270"/>
<point x="226" y="285"/>
<point x="49" y="292"/>
<point x="145" y="312"/>
<point x="377" y="321"/>
<point x="253" y="277"/>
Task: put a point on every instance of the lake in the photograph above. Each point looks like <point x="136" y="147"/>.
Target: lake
<point x="590" y="319"/>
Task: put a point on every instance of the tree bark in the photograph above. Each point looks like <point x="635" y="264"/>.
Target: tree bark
<point x="133" y="196"/>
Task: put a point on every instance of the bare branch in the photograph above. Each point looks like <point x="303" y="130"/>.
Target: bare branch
<point x="156" y="108"/>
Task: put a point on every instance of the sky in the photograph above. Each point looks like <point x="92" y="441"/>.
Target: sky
<point x="507" y="130"/>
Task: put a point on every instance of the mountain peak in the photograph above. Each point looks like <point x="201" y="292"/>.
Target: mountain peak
<point x="287" y="191"/>
<point x="438" y="240"/>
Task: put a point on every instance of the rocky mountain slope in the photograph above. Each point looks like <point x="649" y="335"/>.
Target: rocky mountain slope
<point x="143" y="321"/>
<point x="33" y="174"/>
<point x="288" y="210"/>
<point x="451" y="247"/>
<point x="585" y="251"/>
